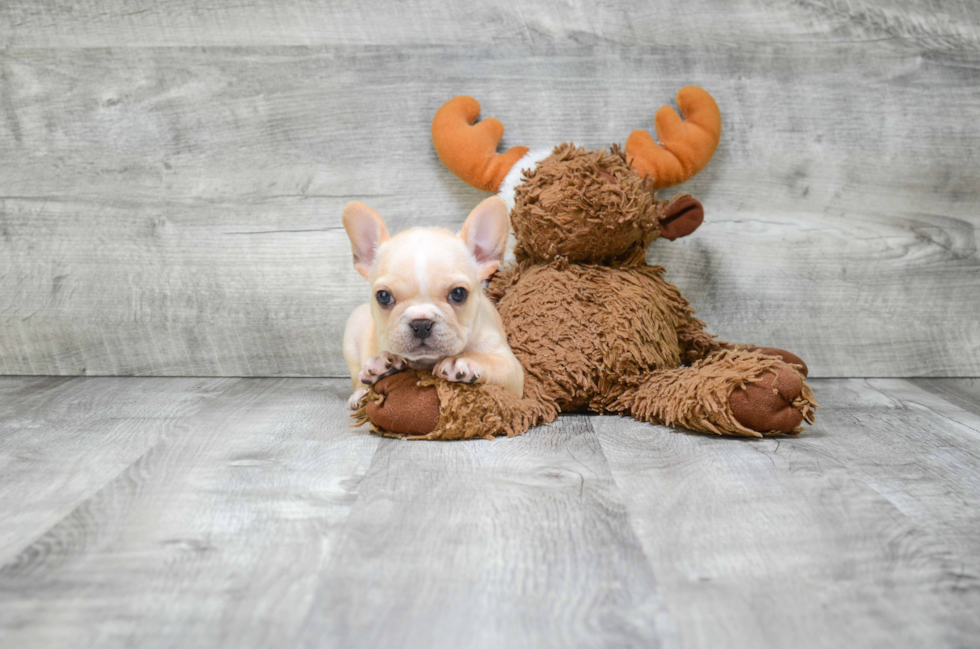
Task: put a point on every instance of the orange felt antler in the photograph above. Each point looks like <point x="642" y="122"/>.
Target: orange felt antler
<point x="688" y="144"/>
<point x="470" y="149"/>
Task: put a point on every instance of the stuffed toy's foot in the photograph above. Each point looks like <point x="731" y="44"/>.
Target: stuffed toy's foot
<point x="729" y="392"/>
<point x="787" y="357"/>
<point x="417" y="405"/>
<point x="773" y="403"/>
<point x="399" y="405"/>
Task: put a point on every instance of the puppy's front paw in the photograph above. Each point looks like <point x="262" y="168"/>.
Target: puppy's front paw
<point x="382" y="365"/>
<point x="357" y="398"/>
<point x="459" y="370"/>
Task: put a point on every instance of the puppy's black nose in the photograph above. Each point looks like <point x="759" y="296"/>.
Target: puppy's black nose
<point x="421" y="328"/>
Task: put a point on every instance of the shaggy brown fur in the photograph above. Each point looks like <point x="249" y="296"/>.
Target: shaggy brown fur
<point x="698" y="397"/>
<point x="584" y="206"/>
<point x="466" y="412"/>
<point x="584" y="331"/>
<point x="597" y="329"/>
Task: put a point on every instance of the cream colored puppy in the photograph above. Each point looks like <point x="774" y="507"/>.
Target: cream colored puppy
<point x="427" y="308"/>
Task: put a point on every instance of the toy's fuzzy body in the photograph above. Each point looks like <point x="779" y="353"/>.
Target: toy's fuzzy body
<point x="584" y="333"/>
<point x="592" y="338"/>
<point x="596" y="328"/>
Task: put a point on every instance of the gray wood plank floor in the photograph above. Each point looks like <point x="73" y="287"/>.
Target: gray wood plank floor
<point x="174" y="172"/>
<point x="189" y="512"/>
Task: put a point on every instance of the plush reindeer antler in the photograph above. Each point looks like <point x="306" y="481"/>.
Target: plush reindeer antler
<point x="470" y="149"/>
<point x="687" y="144"/>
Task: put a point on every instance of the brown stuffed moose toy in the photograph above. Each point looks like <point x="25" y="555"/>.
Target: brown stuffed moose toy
<point x="595" y="327"/>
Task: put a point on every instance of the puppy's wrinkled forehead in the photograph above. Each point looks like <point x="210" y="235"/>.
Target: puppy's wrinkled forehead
<point x="422" y="259"/>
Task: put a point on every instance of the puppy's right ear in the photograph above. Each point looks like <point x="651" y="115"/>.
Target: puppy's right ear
<point x="485" y="233"/>
<point x="366" y="232"/>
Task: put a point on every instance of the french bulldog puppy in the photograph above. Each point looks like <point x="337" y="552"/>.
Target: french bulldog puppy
<point x="427" y="308"/>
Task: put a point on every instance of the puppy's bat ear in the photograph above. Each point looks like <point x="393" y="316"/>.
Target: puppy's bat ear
<point x="366" y="232"/>
<point x="485" y="234"/>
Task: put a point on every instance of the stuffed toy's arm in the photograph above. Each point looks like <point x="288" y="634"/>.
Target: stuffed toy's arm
<point x="503" y="280"/>
<point x="696" y="343"/>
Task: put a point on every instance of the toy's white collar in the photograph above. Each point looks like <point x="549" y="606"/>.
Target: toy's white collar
<point x="516" y="173"/>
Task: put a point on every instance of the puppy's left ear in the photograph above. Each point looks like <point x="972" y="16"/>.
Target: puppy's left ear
<point x="366" y="232"/>
<point x="485" y="234"/>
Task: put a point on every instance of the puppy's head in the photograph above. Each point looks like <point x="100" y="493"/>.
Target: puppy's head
<point x="426" y="283"/>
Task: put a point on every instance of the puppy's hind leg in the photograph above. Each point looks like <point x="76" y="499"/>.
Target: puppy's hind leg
<point x="360" y="342"/>
<point x="357" y="398"/>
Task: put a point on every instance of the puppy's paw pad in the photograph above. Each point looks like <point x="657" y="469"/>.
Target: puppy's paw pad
<point x="459" y="370"/>
<point x="393" y="362"/>
<point x="368" y="377"/>
<point x="357" y="399"/>
<point x="378" y="367"/>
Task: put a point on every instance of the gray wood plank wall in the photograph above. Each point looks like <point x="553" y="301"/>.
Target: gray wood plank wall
<point x="173" y="173"/>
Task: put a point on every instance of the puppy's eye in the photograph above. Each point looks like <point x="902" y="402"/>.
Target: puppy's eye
<point x="458" y="295"/>
<point x="384" y="298"/>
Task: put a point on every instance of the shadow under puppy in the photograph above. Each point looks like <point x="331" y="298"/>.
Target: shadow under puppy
<point x="428" y="310"/>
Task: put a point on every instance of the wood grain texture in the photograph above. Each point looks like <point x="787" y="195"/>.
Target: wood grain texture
<point x="246" y="514"/>
<point x="964" y="393"/>
<point x="177" y="175"/>
<point x="50" y="461"/>
<point x="516" y="543"/>
<point x="860" y="532"/>
<point x="211" y="537"/>
<point x="947" y="26"/>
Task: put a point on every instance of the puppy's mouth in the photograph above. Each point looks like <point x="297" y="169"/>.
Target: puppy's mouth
<point x="423" y="351"/>
<point x="436" y="341"/>
<point x="426" y="351"/>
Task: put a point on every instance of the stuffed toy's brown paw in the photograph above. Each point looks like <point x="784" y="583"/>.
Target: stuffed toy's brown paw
<point x="775" y="403"/>
<point x="417" y="405"/>
<point x="404" y="406"/>
<point x="788" y="357"/>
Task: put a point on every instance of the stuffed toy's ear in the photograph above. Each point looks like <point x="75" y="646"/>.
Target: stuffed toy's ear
<point x="366" y="232"/>
<point x="485" y="234"/>
<point x="681" y="217"/>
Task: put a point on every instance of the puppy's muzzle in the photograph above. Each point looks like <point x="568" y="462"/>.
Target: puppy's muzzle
<point x="421" y="328"/>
